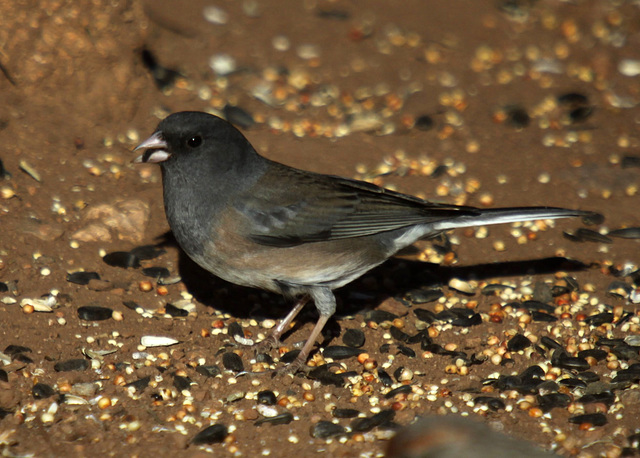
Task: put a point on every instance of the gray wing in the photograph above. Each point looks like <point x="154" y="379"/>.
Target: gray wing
<point x="305" y="207"/>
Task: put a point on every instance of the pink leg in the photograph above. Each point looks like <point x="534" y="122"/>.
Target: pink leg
<point x="301" y="359"/>
<point x="273" y="340"/>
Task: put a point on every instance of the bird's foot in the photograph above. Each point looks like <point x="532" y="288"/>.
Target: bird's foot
<point x="298" y="366"/>
<point x="266" y="345"/>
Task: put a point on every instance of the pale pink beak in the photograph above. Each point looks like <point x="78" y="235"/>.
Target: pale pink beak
<point x="156" y="149"/>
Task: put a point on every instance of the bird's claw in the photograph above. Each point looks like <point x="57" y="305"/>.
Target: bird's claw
<point x="298" y="366"/>
<point x="266" y="345"/>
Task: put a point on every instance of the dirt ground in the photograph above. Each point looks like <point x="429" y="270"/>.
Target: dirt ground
<point x="484" y="103"/>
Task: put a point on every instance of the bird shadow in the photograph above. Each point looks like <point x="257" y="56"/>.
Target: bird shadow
<point x="394" y="278"/>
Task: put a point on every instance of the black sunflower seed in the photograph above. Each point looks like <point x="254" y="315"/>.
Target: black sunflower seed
<point x="4" y="376"/>
<point x="235" y="329"/>
<point x="422" y="336"/>
<point x="604" y="397"/>
<point x="425" y="315"/>
<point x="588" y="376"/>
<point x="72" y="365"/>
<point x="573" y="382"/>
<point x="326" y="377"/>
<point x="379" y="316"/>
<point x="626" y="375"/>
<point x="353" y="338"/>
<point x="210" y="435"/>
<point x="572" y="362"/>
<point x="424" y="122"/>
<point x="398" y="373"/>
<point x="156" y="272"/>
<point x="367" y="424"/>
<point x="550" y="343"/>
<point x="423" y="296"/>
<point x="208" y="370"/>
<point x="325" y="429"/>
<point x="337" y="352"/>
<point x="493" y="289"/>
<point x="625" y="352"/>
<point x="537" y="306"/>
<point x="595" y="419"/>
<point x="181" y="383"/>
<point x="467" y="321"/>
<point x="626" y="233"/>
<point x="131" y="305"/>
<point x="82" y="278"/>
<point x="267" y="397"/>
<point x="398" y="334"/>
<point x="94" y="313"/>
<point x="264" y="358"/>
<point x="281" y="419"/>
<point x="345" y="413"/>
<point x="15" y="349"/>
<point x="406" y="351"/>
<point x="603" y="341"/>
<point x="596" y="353"/>
<point x="385" y="378"/>
<point x="22" y="358"/>
<point x="599" y="319"/>
<point x="140" y="384"/>
<point x="589" y="235"/>
<point x="518" y="342"/>
<point x="42" y="391"/>
<point x="232" y="362"/>
<point x="289" y="356"/>
<point x="543" y="317"/>
<point x="403" y="389"/>
<point x="553" y="400"/>
<point x="3" y="287"/>
<point x="174" y="311"/>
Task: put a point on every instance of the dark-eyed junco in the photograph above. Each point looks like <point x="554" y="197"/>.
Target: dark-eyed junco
<point x="258" y="223"/>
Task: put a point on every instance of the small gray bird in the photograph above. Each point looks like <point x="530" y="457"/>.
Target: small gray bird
<point x="255" y="222"/>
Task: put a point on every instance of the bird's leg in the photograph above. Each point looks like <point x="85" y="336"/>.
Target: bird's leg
<point x="273" y="339"/>
<point x="325" y="302"/>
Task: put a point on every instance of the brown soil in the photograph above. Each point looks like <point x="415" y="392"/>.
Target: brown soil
<point x="77" y="97"/>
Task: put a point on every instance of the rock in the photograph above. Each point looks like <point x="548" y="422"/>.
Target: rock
<point x="46" y="232"/>
<point x="93" y="233"/>
<point x="124" y="219"/>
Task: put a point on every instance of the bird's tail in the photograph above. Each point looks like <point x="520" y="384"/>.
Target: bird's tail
<point x="513" y="215"/>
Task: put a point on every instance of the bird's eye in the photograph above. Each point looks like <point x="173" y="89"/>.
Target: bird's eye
<point x="194" y="142"/>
